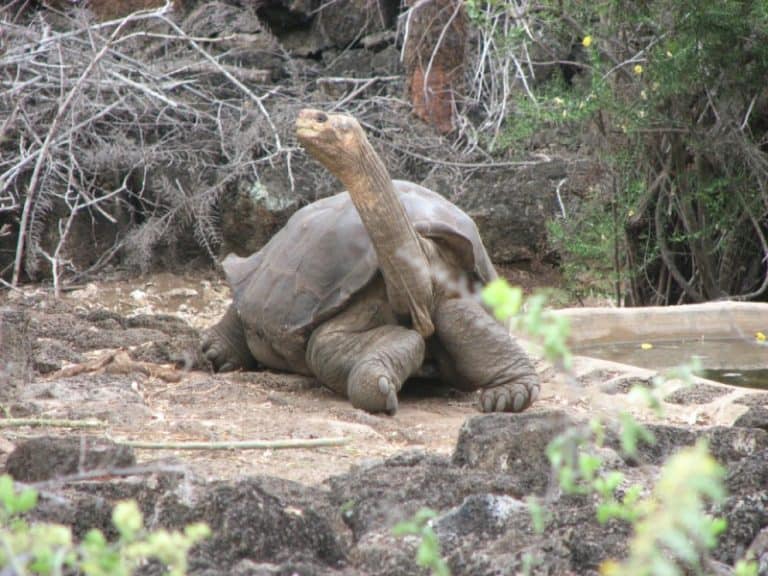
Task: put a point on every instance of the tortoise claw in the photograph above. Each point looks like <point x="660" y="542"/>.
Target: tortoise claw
<point x="224" y="345"/>
<point x="507" y="398"/>
<point x="391" y="395"/>
<point x="372" y="391"/>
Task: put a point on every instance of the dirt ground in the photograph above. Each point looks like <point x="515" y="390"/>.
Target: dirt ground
<point x="144" y="403"/>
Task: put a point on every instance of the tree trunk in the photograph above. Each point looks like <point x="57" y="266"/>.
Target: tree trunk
<point x="435" y="59"/>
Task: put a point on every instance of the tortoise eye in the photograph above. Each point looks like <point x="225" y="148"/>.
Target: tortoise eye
<point x="321" y="117"/>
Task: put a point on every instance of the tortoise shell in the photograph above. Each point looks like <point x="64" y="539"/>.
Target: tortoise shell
<point x="323" y="256"/>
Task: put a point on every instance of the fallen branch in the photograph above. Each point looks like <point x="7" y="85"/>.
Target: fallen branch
<point x="61" y="113"/>
<point x="238" y="445"/>
<point x="108" y="473"/>
<point x="119" y="362"/>
<point x="49" y="423"/>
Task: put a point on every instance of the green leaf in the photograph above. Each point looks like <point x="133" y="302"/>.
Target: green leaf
<point x="25" y="501"/>
<point x="588" y="465"/>
<point x="6" y="492"/>
<point x="504" y="300"/>
<point x="127" y="519"/>
<point x="538" y="514"/>
<point x="406" y="528"/>
<point x="746" y="568"/>
<point x="198" y="531"/>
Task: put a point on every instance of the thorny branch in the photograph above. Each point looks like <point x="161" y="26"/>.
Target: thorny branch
<point x="91" y="112"/>
<point x="145" y="127"/>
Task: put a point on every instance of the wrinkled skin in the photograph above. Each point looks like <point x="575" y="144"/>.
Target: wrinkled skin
<point x="413" y="311"/>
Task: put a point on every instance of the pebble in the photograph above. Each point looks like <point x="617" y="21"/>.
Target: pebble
<point x="139" y="295"/>
<point x="181" y="293"/>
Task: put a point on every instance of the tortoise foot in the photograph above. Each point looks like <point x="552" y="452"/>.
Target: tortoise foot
<point x="372" y="389"/>
<point x="219" y="353"/>
<point x="508" y="397"/>
<point x="224" y="345"/>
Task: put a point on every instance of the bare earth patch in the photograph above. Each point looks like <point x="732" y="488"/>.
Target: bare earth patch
<point x="116" y="351"/>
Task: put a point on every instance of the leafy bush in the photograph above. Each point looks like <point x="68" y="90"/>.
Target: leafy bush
<point x="49" y="549"/>
<point x="671" y="98"/>
<point x="672" y="527"/>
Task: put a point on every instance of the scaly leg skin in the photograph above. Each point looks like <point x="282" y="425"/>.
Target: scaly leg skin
<point x="225" y="346"/>
<point x="483" y="355"/>
<point x="368" y="367"/>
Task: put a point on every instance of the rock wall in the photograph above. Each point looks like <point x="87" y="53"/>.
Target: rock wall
<point x="244" y="175"/>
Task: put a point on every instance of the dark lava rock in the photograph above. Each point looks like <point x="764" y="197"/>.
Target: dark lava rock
<point x="757" y="399"/>
<point x="48" y="457"/>
<point x="262" y="519"/>
<point x="759" y="552"/>
<point x="511" y="444"/>
<point x="572" y="543"/>
<point x="15" y="349"/>
<point x="250" y="568"/>
<point x="726" y="444"/>
<point x="380" y="553"/>
<point x="755" y="417"/>
<point x="746" y="508"/>
<point x="343" y="22"/>
<point x="749" y="475"/>
<point x="697" y="394"/>
<point x="746" y="516"/>
<point x="482" y="516"/>
<point x="387" y="492"/>
<point x="732" y="444"/>
<point x="510" y="204"/>
<point x="88" y="505"/>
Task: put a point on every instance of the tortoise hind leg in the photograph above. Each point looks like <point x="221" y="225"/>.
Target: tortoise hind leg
<point x="362" y="354"/>
<point x="479" y="353"/>
<point x="367" y="367"/>
<point x="225" y="344"/>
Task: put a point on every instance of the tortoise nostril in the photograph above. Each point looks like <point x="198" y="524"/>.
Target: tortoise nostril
<point x="321" y="117"/>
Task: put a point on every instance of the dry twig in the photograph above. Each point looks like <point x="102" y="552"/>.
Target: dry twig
<point x="49" y="423"/>
<point x="238" y="445"/>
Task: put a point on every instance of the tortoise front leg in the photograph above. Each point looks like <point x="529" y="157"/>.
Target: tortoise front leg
<point x="479" y="353"/>
<point x="225" y="345"/>
<point x="368" y="367"/>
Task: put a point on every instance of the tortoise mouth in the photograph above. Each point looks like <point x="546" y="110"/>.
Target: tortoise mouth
<point x="310" y="123"/>
<point x="305" y="130"/>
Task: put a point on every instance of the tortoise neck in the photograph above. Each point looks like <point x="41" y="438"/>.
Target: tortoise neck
<point x="402" y="260"/>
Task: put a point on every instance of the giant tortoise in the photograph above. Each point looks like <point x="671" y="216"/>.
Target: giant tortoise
<point x="358" y="289"/>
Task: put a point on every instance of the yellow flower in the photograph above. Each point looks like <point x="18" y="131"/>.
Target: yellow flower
<point x="760" y="336"/>
<point x="638" y="69"/>
<point x="587" y="41"/>
<point x="646" y="345"/>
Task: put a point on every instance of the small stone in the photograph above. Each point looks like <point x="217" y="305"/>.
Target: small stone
<point x="755" y="417"/>
<point x="47" y="457"/>
<point x="501" y="443"/>
<point x="139" y="295"/>
<point x="87" y="293"/>
<point x="181" y="293"/>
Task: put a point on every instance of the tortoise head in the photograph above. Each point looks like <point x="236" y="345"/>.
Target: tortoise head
<point x="334" y="140"/>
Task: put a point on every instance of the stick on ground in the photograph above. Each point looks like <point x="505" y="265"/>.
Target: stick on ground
<point x="238" y="445"/>
<point x="49" y="423"/>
